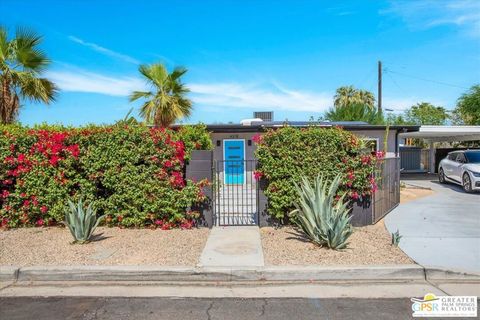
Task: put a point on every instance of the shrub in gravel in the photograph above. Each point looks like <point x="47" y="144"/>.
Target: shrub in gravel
<point x="133" y="174"/>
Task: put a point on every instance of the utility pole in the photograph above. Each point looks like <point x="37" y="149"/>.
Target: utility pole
<point x="379" y="86"/>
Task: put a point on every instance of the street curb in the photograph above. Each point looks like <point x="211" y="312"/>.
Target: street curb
<point x="120" y="273"/>
<point x="227" y="274"/>
<point x="221" y="274"/>
<point x="436" y="274"/>
<point x="8" y="273"/>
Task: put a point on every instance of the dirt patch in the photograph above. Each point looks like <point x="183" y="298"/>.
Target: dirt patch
<point x="369" y="245"/>
<point x="52" y="246"/>
<point x="409" y="194"/>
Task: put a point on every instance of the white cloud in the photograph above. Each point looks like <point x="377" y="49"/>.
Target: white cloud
<point x="77" y="80"/>
<point x="238" y="95"/>
<point x="104" y="51"/>
<point x="430" y="13"/>
<point x="253" y="96"/>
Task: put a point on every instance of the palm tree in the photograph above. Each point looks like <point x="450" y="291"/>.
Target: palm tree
<point x="367" y="98"/>
<point x="355" y="112"/>
<point x="21" y="66"/>
<point x="345" y="96"/>
<point x="166" y="102"/>
<point x="348" y="95"/>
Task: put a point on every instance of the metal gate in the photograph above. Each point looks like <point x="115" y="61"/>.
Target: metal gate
<point x="387" y="197"/>
<point x="235" y="193"/>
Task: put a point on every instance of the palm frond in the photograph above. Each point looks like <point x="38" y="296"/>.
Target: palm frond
<point x="3" y="44"/>
<point x="26" y="51"/>
<point x="135" y="95"/>
<point x="177" y="73"/>
<point x="35" y="89"/>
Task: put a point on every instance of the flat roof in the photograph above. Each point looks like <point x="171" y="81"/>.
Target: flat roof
<point x="445" y="133"/>
<point x="264" y="125"/>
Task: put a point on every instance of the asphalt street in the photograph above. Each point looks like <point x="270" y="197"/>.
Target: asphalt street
<point x="88" y="308"/>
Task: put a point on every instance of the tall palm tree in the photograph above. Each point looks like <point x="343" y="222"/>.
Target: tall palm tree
<point x="166" y="102"/>
<point x="344" y="96"/>
<point x="367" y="98"/>
<point x="21" y="66"/>
<point x="348" y="95"/>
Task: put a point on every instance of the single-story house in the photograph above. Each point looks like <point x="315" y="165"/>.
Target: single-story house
<point x="240" y="135"/>
<point x="237" y="198"/>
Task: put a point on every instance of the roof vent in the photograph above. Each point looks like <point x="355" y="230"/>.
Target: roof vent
<point x="264" y="115"/>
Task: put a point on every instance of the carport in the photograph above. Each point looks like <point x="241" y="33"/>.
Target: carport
<point x="434" y="134"/>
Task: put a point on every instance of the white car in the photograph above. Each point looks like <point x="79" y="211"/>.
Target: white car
<point x="463" y="168"/>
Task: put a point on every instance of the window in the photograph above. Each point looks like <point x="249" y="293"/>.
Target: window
<point x="452" y="156"/>
<point x="371" y="144"/>
<point x="461" y="158"/>
<point x="473" y="156"/>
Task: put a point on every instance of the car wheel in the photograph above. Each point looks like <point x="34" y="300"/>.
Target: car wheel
<point x="441" y="176"/>
<point x="467" y="183"/>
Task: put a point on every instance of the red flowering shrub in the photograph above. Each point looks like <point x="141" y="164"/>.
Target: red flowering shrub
<point x="195" y="137"/>
<point x="133" y="174"/>
<point x="288" y="153"/>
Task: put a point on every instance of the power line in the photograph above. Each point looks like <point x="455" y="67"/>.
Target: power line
<point x="424" y="79"/>
<point x="396" y="84"/>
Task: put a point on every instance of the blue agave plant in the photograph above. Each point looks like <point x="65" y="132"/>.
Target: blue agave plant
<point x="82" y="221"/>
<point x="324" y="221"/>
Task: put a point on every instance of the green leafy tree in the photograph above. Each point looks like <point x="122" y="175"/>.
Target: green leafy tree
<point x="468" y="107"/>
<point x="348" y="95"/>
<point x="166" y="102"/>
<point x="21" y="67"/>
<point x="355" y="112"/>
<point x="425" y="113"/>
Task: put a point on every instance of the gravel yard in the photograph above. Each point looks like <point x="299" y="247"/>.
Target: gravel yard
<point x="113" y="246"/>
<point x="368" y="245"/>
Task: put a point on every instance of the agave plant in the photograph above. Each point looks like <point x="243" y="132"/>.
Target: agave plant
<point x="82" y="221"/>
<point x="324" y="221"/>
<point x="396" y="238"/>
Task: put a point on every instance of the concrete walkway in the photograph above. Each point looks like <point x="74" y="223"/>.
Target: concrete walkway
<point x="233" y="247"/>
<point x="441" y="230"/>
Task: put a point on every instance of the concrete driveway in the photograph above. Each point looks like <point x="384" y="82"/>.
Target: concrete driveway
<point x="441" y="230"/>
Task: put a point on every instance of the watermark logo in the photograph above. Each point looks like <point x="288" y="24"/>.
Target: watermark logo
<point x="444" y="306"/>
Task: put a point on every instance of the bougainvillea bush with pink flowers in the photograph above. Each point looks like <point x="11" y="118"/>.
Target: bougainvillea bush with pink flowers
<point x="131" y="173"/>
<point x="286" y="154"/>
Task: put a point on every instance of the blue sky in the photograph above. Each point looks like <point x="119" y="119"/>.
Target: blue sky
<point x="285" y="56"/>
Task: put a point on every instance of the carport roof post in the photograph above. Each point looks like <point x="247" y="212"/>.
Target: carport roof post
<point x="445" y="133"/>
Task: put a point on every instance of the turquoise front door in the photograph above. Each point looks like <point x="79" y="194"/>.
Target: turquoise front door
<point x="234" y="156"/>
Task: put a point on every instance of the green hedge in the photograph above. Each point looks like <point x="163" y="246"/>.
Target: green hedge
<point x="132" y="173"/>
<point x="286" y="154"/>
